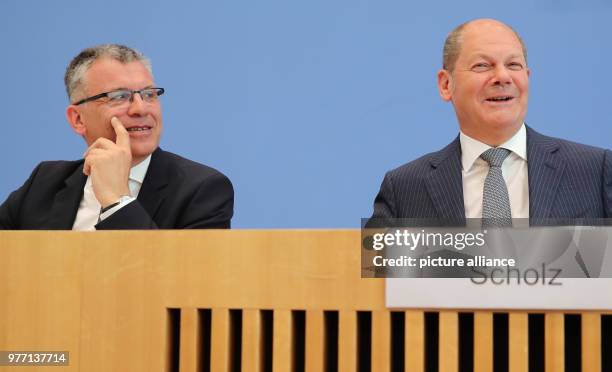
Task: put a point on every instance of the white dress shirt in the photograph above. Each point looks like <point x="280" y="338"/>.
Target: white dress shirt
<point x="89" y="208"/>
<point x="514" y="170"/>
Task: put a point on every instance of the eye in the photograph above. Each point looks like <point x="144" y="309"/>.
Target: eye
<point x="119" y="96"/>
<point x="515" y="66"/>
<point x="149" y="94"/>
<point x="481" y="67"/>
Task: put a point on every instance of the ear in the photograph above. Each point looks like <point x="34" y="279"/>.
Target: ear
<point x="445" y="85"/>
<point x="73" y="115"/>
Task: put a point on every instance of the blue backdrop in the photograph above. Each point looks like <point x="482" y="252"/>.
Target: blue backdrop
<point x="303" y="104"/>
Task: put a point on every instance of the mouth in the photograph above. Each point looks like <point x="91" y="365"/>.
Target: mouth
<point x="500" y="99"/>
<point x="139" y="128"/>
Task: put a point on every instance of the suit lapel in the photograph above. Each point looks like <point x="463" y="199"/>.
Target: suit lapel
<point x="545" y="171"/>
<point x="152" y="193"/>
<point x="444" y="183"/>
<point x="66" y="202"/>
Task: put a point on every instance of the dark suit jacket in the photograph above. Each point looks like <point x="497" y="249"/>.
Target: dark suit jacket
<point x="567" y="180"/>
<point x="176" y="194"/>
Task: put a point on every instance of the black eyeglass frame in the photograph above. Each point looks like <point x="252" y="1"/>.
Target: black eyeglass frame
<point x="160" y="91"/>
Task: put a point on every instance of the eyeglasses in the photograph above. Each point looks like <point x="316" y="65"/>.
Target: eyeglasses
<point x="123" y="96"/>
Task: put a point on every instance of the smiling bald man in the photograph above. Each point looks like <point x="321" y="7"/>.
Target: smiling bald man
<point x="486" y="78"/>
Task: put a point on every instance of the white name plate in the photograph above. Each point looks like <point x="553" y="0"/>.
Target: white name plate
<point x="462" y="293"/>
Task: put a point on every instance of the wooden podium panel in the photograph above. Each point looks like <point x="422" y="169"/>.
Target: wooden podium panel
<point x="40" y="293"/>
<point x="220" y="300"/>
<point x="105" y="296"/>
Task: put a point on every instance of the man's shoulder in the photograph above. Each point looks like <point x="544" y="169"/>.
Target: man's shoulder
<point x="414" y="167"/>
<point x="185" y="168"/>
<point x="569" y="149"/>
<point x="421" y="166"/>
<point x="57" y="169"/>
<point x="581" y="149"/>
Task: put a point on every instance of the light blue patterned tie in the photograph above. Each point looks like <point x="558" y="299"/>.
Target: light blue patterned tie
<point x="495" y="200"/>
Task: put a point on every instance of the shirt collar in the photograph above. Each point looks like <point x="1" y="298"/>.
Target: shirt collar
<point x="138" y="172"/>
<point x="471" y="149"/>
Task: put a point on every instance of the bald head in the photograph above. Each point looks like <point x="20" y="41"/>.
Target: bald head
<point x="487" y="80"/>
<point x="452" y="45"/>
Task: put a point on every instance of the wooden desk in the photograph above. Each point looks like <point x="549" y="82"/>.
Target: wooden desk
<point x="183" y="300"/>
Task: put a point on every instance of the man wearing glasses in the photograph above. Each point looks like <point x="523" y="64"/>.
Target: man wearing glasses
<point x="125" y="181"/>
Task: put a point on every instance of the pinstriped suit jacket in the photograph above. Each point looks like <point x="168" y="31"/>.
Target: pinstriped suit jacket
<point x="567" y="180"/>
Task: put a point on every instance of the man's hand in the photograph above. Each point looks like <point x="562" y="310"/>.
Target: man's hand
<point x="108" y="164"/>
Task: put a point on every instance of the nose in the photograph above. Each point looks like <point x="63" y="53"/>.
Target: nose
<point x="137" y="105"/>
<point x="502" y="75"/>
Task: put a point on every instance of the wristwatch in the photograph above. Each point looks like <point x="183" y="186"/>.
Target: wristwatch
<point x="122" y="199"/>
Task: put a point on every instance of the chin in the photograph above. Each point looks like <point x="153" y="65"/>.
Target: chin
<point x="141" y="151"/>
<point x="504" y="121"/>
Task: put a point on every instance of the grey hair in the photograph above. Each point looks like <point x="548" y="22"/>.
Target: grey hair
<point x="74" y="79"/>
<point x="452" y="46"/>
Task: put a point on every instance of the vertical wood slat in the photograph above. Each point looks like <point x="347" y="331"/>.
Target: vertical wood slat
<point x="518" y="334"/>
<point x="483" y="341"/>
<point x="220" y="340"/>
<point x="188" y="354"/>
<point x="315" y="341"/>
<point x="381" y="340"/>
<point x="251" y="340"/>
<point x="282" y="343"/>
<point x="554" y="342"/>
<point x="414" y="346"/>
<point x="591" y="342"/>
<point x="170" y="340"/>
<point x="448" y="356"/>
<point x="347" y="336"/>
